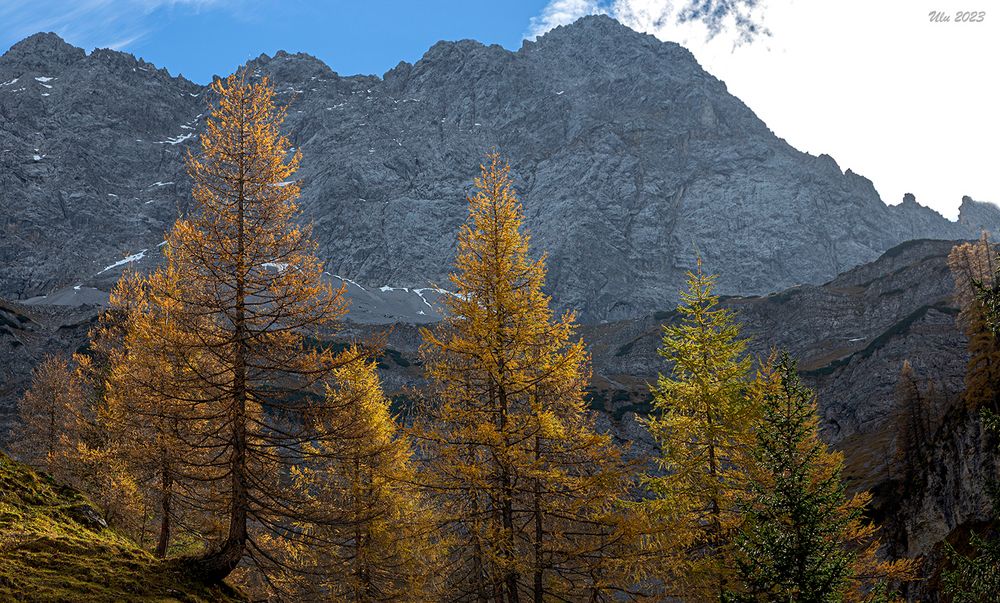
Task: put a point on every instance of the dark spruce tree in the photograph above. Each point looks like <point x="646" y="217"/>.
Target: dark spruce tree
<point x="803" y="538"/>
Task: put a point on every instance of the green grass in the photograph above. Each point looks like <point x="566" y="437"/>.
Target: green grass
<point x="49" y="551"/>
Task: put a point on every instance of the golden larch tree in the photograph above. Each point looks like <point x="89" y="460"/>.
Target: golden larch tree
<point x="702" y="419"/>
<point x="147" y="419"/>
<point x="972" y="264"/>
<point x="51" y="414"/>
<point x="379" y="540"/>
<point x="528" y="490"/>
<point x="61" y="432"/>
<point x="236" y="315"/>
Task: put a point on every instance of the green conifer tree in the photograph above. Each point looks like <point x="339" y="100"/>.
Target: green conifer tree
<point x="803" y="538"/>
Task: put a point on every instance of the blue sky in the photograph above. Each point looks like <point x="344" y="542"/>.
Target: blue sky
<point x="200" y="38"/>
<point x="890" y="94"/>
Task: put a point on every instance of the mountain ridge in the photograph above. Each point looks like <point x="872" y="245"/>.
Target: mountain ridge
<point x="629" y="157"/>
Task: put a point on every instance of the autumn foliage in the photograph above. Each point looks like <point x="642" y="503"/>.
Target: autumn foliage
<point x="973" y="265"/>
<point x="529" y="490"/>
<point x="704" y="425"/>
<point x="220" y="420"/>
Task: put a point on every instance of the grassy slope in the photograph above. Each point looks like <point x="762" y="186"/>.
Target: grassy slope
<point x="50" y="552"/>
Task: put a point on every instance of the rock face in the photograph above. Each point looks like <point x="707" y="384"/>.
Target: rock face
<point x="945" y="499"/>
<point x="850" y="336"/>
<point x="950" y="492"/>
<point x="629" y="157"/>
<point x="87" y="160"/>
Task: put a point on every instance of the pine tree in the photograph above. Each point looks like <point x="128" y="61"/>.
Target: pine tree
<point x="803" y="539"/>
<point x="702" y="422"/>
<point x="234" y="316"/>
<point x="973" y="267"/>
<point x="527" y="488"/>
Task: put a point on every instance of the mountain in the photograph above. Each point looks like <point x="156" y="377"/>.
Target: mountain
<point x="629" y="157"/>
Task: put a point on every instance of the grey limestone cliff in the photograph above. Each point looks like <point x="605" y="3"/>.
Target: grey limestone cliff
<point x="630" y="159"/>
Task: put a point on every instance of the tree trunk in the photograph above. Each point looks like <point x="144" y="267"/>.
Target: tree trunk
<point x="166" y="483"/>
<point x="362" y="574"/>
<point x="715" y="527"/>
<point x="216" y="566"/>
<point x="511" y="578"/>
<point x="538" y="529"/>
<point x="477" y="553"/>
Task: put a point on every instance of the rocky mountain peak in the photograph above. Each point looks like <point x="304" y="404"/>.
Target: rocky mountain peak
<point x="599" y="28"/>
<point x="600" y="43"/>
<point x="291" y="67"/>
<point x="41" y="51"/>
<point x="979" y="216"/>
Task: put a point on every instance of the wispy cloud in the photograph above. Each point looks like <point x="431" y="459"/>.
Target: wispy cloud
<point x="88" y="23"/>
<point x="665" y="19"/>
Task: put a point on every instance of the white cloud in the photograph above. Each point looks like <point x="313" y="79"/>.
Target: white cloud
<point x="643" y="15"/>
<point x="906" y="102"/>
<point x="658" y="17"/>
<point x="561" y="12"/>
<point x="87" y="23"/>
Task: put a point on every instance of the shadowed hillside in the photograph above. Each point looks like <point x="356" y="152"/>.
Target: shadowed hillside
<point x="56" y="547"/>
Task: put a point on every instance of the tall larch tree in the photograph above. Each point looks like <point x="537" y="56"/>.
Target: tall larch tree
<point x="380" y="543"/>
<point x="702" y="421"/>
<point x="148" y="420"/>
<point x="913" y="415"/>
<point x="803" y="538"/>
<point x="974" y="265"/>
<point x="527" y="488"/>
<point x="247" y="304"/>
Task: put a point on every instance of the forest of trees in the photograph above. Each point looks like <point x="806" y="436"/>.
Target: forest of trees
<point x="217" y="419"/>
